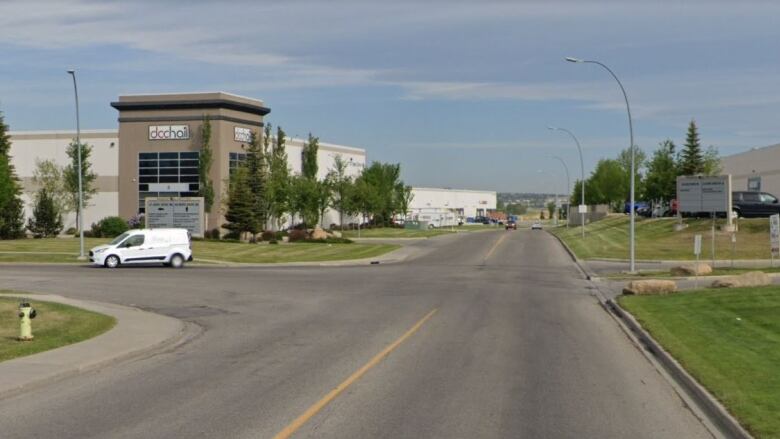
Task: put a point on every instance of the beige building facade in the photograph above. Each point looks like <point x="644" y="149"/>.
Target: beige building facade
<point x="757" y="169"/>
<point x="155" y="152"/>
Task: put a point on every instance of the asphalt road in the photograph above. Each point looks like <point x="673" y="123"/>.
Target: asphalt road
<point x="516" y="348"/>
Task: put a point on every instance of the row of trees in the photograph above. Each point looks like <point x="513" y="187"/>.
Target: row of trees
<point x="656" y="178"/>
<point x="264" y="194"/>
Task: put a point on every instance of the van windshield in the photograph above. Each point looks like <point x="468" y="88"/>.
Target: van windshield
<point x="119" y="239"/>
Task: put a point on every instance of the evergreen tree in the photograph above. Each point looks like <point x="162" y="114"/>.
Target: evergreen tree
<point x="257" y="179"/>
<point x="11" y="205"/>
<point x="692" y="161"/>
<point x="239" y="206"/>
<point x="71" y="178"/>
<point x="205" y="160"/>
<point x="46" y="220"/>
<point x="48" y="175"/>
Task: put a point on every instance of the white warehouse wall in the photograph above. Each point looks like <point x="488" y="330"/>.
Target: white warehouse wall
<point x="467" y="202"/>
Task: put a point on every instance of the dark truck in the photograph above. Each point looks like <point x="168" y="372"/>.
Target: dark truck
<point x="754" y="204"/>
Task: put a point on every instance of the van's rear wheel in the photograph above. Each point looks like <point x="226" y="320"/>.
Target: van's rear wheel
<point x="112" y="261"/>
<point x="177" y="261"/>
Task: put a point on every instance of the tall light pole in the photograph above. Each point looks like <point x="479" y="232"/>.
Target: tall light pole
<point x="568" y="184"/>
<point x="582" y="175"/>
<point x="78" y="148"/>
<point x="632" y="208"/>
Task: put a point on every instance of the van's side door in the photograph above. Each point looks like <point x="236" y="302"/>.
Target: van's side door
<point x="132" y="249"/>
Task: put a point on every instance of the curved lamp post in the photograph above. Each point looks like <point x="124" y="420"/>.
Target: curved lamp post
<point x="568" y="184"/>
<point x="582" y="175"/>
<point x="632" y="208"/>
<point x="78" y="148"/>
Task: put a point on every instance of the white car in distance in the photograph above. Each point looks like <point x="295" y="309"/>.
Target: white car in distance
<point x="170" y="247"/>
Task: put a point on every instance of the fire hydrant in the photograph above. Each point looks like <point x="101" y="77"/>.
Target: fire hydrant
<point x="26" y="314"/>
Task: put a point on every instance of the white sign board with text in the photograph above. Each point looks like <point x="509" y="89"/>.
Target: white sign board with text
<point x="697" y="245"/>
<point x="704" y="194"/>
<point x="241" y="134"/>
<point x="169" y="132"/>
<point x="181" y="213"/>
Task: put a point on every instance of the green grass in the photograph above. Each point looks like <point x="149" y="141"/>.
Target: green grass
<point x="657" y="240"/>
<point x="392" y="232"/>
<point x="65" y="250"/>
<point x="280" y="253"/>
<point x="56" y="325"/>
<point x="729" y="340"/>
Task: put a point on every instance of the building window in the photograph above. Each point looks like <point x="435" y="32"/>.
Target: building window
<point x="235" y="159"/>
<point x="160" y="172"/>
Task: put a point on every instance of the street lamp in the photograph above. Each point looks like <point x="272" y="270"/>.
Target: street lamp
<point x="582" y="175"/>
<point x="632" y="209"/>
<point x="78" y="148"/>
<point x="568" y="184"/>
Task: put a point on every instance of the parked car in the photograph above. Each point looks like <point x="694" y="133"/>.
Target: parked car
<point x="754" y="204"/>
<point x="536" y="226"/>
<point x="641" y="208"/>
<point x="511" y="225"/>
<point x="170" y="247"/>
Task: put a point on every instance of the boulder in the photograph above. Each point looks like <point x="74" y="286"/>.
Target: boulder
<point x="691" y="270"/>
<point x="336" y="234"/>
<point x="318" y="234"/>
<point x="650" y="286"/>
<point x="749" y="279"/>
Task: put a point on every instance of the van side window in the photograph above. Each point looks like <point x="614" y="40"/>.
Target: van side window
<point x="751" y="197"/>
<point x="134" y="241"/>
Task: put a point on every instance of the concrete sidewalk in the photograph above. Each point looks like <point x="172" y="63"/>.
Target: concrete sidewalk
<point x="136" y="333"/>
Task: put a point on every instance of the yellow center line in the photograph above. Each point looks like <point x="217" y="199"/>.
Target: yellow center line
<point x="495" y="246"/>
<point x="313" y="410"/>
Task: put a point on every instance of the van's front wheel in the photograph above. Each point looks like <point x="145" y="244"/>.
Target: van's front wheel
<point x="112" y="261"/>
<point x="177" y="261"/>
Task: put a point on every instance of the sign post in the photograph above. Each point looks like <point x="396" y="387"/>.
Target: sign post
<point x="697" y="252"/>
<point x="774" y="236"/>
<point x="733" y="247"/>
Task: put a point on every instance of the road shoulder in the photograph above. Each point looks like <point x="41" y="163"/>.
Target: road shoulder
<point x="136" y="334"/>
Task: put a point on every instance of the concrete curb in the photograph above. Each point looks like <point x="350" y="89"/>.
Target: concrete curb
<point x="136" y="334"/>
<point x="710" y="407"/>
<point x="589" y="275"/>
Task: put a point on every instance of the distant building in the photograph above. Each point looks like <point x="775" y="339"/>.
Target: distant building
<point x="757" y="169"/>
<point x="465" y="203"/>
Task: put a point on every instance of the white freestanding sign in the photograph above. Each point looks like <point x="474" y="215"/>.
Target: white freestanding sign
<point x="704" y="194"/>
<point x="582" y="208"/>
<point x="697" y="245"/>
<point x="184" y="213"/>
<point x="774" y="235"/>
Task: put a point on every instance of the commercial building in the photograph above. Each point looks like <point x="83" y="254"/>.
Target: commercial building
<point x="757" y="169"/>
<point x="155" y="151"/>
<point x="465" y="203"/>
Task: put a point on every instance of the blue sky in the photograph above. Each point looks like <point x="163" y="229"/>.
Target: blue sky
<point x="460" y="93"/>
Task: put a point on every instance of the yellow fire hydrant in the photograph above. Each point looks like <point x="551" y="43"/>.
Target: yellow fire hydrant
<point x="26" y="314"/>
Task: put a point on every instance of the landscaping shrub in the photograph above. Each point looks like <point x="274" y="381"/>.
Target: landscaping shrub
<point x="297" y="235"/>
<point x="72" y="231"/>
<point x="212" y="234"/>
<point x="268" y="236"/>
<point x="109" y="227"/>
<point x="137" y="222"/>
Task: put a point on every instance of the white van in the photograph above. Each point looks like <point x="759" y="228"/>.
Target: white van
<point x="170" y="247"/>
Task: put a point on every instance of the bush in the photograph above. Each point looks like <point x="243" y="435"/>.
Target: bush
<point x="297" y="235"/>
<point x="268" y="236"/>
<point x="212" y="234"/>
<point x="137" y="222"/>
<point x="46" y="220"/>
<point x="109" y="227"/>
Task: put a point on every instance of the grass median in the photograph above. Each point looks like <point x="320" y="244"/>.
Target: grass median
<point x="56" y="325"/>
<point x="394" y="232"/>
<point x="656" y="239"/>
<point x="663" y="274"/>
<point x="65" y="250"/>
<point x="729" y="340"/>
